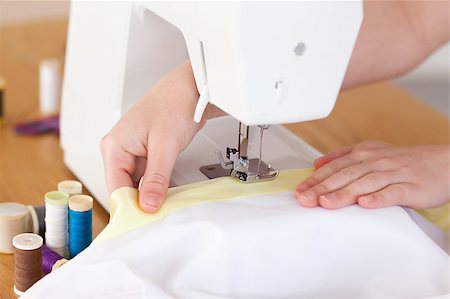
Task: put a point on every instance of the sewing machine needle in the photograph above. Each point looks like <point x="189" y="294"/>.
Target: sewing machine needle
<point x="260" y="150"/>
<point x="261" y="133"/>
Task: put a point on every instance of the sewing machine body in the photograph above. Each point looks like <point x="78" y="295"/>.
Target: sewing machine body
<point x="262" y="63"/>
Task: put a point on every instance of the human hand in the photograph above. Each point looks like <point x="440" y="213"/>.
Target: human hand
<point x="376" y="175"/>
<point x="151" y="135"/>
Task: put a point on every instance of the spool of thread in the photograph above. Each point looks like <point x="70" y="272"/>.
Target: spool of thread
<point x="40" y="212"/>
<point x="56" y="222"/>
<point x="51" y="260"/>
<point x="49" y="86"/>
<point x="2" y="95"/>
<point x="15" y="219"/>
<point x="70" y="187"/>
<point x="27" y="261"/>
<point x="80" y="223"/>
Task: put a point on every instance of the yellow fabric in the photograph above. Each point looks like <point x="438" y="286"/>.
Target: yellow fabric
<point x="126" y="214"/>
<point x="439" y="216"/>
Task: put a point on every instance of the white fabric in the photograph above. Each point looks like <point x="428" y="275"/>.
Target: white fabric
<point x="259" y="247"/>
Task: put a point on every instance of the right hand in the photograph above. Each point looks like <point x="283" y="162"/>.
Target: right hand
<point x="151" y="135"/>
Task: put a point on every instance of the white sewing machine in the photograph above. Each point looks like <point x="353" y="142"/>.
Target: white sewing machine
<point x="264" y="63"/>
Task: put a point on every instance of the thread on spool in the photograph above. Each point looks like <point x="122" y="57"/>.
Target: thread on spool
<point x="15" y="219"/>
<point x="70" y="187"/>
<point x="50" y="259"/>
<point x="2" y="92"/>
<point x="56" y="222"/>
<point x="27" y="261"/>
<point x="33" y="220"/>
<point x="80" y="223"/>
<point x="40" y="212"/>
<point x="49" y="85"/>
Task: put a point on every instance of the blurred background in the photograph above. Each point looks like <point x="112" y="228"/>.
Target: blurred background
<point x="429" y="81"/>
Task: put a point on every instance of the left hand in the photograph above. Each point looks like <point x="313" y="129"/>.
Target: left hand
<point x="375" y="175"/>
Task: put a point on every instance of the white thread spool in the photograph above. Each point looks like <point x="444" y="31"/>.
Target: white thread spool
<point x="15" y="219"/>
<point x="49" y="86"/>
<point x="70" y="187"/>
<point x="56" y="222"/>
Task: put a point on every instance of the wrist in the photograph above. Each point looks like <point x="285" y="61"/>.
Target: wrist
<point x="211" y="110"/>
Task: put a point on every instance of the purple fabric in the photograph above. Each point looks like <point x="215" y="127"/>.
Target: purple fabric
<point x="46" y="125"/>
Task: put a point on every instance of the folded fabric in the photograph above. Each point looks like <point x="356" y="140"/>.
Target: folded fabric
<point x="256" y="246"/>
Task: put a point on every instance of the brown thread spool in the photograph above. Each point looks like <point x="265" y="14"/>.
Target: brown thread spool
<point x="27" y="261"/>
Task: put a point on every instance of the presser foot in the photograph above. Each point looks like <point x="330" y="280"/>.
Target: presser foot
<point x="238" y="165"/>
<point x="266" y="172"/>
<point x="250" y="177"/>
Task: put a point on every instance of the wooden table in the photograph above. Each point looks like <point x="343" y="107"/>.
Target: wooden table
<point x="31" y="166"/>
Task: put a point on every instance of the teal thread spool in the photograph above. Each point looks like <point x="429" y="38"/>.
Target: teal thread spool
<point x="80" y="223"/>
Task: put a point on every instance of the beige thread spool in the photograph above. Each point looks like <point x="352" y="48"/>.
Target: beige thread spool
<point x="70" y="187"/>
<point x="27" y="261"/>
<point x="81" y="203"/>
<point x="15" y="219"/>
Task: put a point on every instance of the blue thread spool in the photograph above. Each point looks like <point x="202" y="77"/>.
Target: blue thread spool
<point x="80" y="223"/>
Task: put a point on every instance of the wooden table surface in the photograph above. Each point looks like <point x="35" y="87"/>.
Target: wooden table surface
<point x="31" y="166"/>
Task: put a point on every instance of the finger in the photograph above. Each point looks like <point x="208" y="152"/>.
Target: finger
<point x="141" y="163"/>
<point x="392" y="195"/>
<point x="118" y="165"/>
<point x="366" y="145"/>
<point x="367" y="184"/>
<point x="307" y="200"/>
<point x="334" y="182"/>
<point x="117" y="178"/>
<point x="319" y="162"/>
<point x="160" y="162"/>
<point x="324" y="172"/>
<point x="362" y="152"/>
<point x="348" y="175"/>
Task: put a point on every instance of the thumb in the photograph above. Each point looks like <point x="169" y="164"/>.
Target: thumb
<point x="160" y="162"/>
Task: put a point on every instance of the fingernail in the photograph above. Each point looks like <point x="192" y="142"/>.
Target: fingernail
<point x="151" y="202"/>
<point x="308" y="195"/>
<point x="329" y="197"/>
